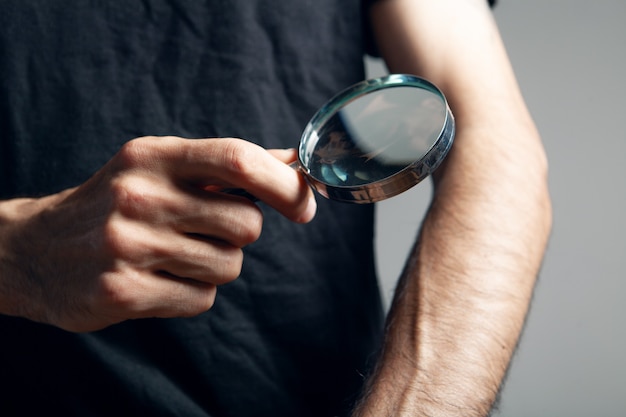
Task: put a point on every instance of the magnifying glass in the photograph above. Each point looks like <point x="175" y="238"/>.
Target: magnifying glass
<point x="376" y="139"/>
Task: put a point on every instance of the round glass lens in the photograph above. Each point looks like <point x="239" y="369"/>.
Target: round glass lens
<point x="374" y="135"/>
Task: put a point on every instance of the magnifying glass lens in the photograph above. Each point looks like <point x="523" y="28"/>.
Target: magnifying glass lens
<point x="376" y="136"/>
<point x="376" y="139"/>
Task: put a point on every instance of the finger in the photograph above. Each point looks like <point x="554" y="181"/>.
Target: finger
<point x="234" y="220"/>
<point x="186" y="298"/>
<point x="199" y="259"/>
<point x="131" y="294"/>
<point x="266" y="175"/>
<point x="230" y="161"/>
<point x="187" y="209"/>
<point x="143" y="248"/>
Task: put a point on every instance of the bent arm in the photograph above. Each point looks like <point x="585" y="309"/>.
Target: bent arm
<point x="461" y="303"/>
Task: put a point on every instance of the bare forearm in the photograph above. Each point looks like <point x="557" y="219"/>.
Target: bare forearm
<point x="461" y="303"/>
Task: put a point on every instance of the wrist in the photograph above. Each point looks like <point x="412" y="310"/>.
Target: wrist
<point x="18" y="255"/>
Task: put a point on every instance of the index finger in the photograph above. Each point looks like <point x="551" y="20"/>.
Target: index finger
<point x="240" y="164"/>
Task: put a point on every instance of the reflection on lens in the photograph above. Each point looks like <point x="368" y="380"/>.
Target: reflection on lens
<point x="376" y="139"/>
<point x="377" y="136"/>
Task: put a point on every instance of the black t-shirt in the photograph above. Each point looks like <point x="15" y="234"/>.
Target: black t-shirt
<point x="295" y="333"/>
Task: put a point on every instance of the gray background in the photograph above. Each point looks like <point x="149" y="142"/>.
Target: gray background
<point x="570" y="59"/>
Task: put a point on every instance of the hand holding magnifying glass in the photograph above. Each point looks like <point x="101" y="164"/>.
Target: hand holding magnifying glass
<point x="376" y="139"/>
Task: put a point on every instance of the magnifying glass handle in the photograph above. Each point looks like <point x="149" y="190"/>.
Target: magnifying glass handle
<point x="240" y="192"/>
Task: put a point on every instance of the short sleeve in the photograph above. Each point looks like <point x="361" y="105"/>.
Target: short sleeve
<point x="370" y="44"/>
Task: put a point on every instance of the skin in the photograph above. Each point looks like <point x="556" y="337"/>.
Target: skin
<point x="146" y="236"/>
<point x="460" y="305"/>
<point x="150" y="236"/>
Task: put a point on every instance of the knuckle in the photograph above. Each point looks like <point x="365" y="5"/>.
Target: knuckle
<point x="230" y="265"/>
<point x="146" y="151"/>
<point x="116" y="293"/>
<point x="131" y="196"/>
<point x="240" y="157"/>
<point x="136" y="152"/>
<point x="116" y="240"/>
<point x="250" y="226"/>
<point x="203" y="301"/>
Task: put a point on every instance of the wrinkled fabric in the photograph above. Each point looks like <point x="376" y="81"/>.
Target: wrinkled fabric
<point x="295" y="333"/>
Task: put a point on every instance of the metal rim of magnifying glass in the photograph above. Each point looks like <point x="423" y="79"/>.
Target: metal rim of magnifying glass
<point x="398" y="182"/>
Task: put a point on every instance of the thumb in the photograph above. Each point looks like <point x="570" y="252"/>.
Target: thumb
<point x="290" y="156"/>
